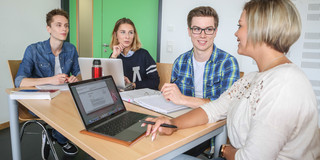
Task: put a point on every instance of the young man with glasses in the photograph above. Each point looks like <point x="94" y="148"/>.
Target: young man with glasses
<point x="203" y="73"/>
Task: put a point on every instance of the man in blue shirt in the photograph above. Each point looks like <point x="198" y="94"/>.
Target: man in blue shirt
<point x="51" y="62"/>
<point x="203" y="73"/>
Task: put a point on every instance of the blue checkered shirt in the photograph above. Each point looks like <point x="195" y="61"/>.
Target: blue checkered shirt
<point x="221" y="71"/>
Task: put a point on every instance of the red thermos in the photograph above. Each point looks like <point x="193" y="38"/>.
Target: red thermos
<point x="96" y="69"/>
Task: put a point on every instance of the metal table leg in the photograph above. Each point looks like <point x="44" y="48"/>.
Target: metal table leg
<point x="14" y="129"/>
<point x="220" y="139"/>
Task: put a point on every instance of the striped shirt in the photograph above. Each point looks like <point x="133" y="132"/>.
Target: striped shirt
<point x="220" y="72"/>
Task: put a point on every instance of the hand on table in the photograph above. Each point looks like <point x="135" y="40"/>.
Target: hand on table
<point x="171" y="92"/>
<point x="156" y="128"/>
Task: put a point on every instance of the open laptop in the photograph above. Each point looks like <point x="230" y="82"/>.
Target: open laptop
<point x="110" y="66"/>
<point x="103" y="112"/>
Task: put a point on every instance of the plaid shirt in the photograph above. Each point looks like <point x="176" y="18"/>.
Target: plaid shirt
<point x="221" y="71"/>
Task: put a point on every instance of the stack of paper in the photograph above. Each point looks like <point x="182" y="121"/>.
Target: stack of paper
<point x="34" y="94"/>
<point x="63" y="87"/>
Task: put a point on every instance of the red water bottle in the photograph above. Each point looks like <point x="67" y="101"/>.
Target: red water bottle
<point x="96" y="69"/>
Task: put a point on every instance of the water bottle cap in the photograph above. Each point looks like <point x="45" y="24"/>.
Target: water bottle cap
<point x="96" y="62"/>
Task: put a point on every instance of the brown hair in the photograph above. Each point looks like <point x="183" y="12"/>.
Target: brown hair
<point x="55" y="12"/>
<point x="136" y="44"/>
<point x="274" y="22"/>
<point x="203" y="11"/>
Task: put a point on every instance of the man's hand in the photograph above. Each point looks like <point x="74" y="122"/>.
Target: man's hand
<point x="171" y="92"/>
<point x="59" y="79"/>
<point x="72" y="79"/>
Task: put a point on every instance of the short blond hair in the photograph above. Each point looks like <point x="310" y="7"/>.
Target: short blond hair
<point x="274" y="22"/>
<point x="136" y="44"/>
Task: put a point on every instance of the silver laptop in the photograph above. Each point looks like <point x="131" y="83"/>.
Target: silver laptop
<point x="110" y="66"/>
<point x="103" y="112"/>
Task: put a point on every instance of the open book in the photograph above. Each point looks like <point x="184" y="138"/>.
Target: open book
<point x="151" y="99"/>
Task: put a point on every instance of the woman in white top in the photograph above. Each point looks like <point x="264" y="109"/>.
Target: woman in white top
<point x="271" y="114"/>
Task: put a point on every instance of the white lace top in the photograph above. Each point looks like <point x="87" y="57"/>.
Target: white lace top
<point x="270" y="115"/>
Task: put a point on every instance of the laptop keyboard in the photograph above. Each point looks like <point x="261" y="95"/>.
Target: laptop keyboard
<point x="119" y="124"/>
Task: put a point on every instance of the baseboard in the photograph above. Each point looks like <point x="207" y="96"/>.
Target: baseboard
<point x="7" y="125"/>
<point x="4" y="125"/>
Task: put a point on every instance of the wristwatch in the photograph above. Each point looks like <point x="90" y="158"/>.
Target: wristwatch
<point x="222" y="148"/>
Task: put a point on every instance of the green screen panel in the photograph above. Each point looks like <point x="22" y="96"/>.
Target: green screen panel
<point x="144" y="14"/>
<point x="73" y="22"/>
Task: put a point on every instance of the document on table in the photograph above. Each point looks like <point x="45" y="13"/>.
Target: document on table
<point x="131" y="95"/>
<point x="62" y="87"/>
<point x="153" y="100"/>
<point x="159" y="104"/>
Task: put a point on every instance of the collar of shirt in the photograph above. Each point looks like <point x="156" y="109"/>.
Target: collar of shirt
<point x="48" y="50"/>
<point x="129" y="54"/>
<point x="213" y="58"/>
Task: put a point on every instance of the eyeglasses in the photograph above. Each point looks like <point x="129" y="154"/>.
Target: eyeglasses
<point x="207" y="31"/>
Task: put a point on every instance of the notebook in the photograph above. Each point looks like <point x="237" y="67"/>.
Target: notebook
<point x="110" y="66"/>
<point x="154" y="100"/>
<point x="99" y="104"/>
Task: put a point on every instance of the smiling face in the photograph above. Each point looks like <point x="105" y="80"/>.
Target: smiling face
<point x="242" y="35"/>
<point x="59" y="28"/>
<point x="202" y="42"/>
<point x="125" y="35"/>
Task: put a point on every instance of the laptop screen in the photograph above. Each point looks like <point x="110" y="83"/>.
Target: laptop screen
<point x="96" y="99"/>
<point x="110" y="66"/>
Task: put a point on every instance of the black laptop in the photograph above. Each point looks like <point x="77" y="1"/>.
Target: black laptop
<point x="103" y="112"/>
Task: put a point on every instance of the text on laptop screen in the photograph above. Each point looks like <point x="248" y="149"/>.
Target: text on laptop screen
<point x="97" y="99"/>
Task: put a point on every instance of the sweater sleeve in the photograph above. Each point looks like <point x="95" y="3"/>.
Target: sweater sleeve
<point x="151" y="78"/>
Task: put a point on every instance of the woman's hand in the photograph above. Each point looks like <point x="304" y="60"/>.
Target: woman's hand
<point x="127" y="81"/>
<point x="156" y="128"/>
<point x="117" y="50"/>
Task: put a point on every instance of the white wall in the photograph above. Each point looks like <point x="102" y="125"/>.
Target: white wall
<point x="22" y="23"/>
<point x="174" y="35"/>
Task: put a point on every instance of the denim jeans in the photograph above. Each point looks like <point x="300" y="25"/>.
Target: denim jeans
<point x="59" y="137"/>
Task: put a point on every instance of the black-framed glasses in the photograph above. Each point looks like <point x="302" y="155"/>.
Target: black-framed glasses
<point x="207" y="31"/>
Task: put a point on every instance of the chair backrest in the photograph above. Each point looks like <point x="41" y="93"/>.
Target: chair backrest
<point x="13" y="68"/>
<point x="164" y="71"/>
<point x="24" y="114"/>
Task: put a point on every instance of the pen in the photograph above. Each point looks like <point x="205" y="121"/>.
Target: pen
<point x="174" y="80"/>
<point x="162" y="125"/>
